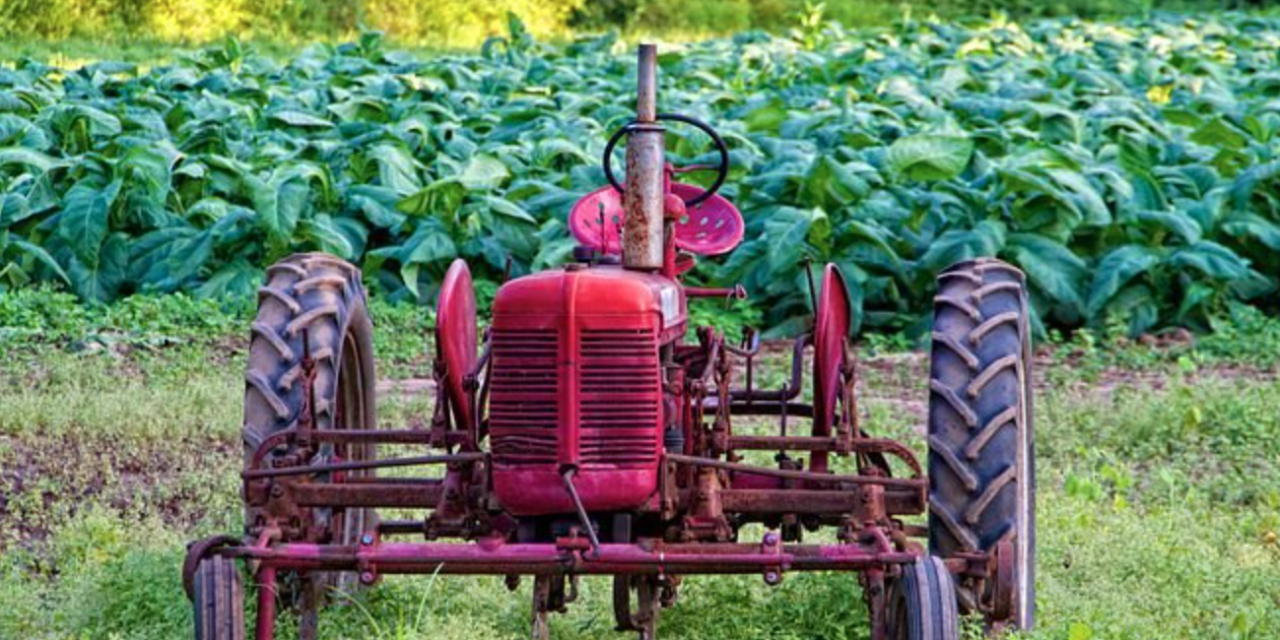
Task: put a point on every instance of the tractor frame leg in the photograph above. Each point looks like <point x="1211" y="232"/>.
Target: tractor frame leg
<point x="312" y="597"/>
<point x="266" y="624"/>
<point x="542" y="607"/>
<point x="873" y="590"/>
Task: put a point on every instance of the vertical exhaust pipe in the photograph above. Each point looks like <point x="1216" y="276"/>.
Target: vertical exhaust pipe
<point x="642" y="198"/>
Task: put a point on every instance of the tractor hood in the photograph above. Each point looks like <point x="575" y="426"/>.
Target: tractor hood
<point x="607" y="290"/>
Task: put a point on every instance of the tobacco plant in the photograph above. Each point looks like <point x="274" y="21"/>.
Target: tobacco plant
<point x="1128" y="168"/>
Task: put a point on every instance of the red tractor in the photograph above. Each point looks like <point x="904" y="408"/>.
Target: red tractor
<point x="589" y="430"/>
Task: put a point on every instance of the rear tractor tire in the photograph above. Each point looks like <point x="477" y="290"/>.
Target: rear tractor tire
<point x="320" y="298"/>
<point x="922" y="603"/>
<point x="218" y="598"/>
<point x="981" y="454"/>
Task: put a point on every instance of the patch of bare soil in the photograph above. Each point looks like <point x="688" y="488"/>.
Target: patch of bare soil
<point x="407" y="387"/>
<point x="44" y="480"/>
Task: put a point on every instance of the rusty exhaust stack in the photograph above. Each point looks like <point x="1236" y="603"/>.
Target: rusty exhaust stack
<point x="642" y="198"/>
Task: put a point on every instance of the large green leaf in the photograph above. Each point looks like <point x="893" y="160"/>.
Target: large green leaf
<point x="1050" y="266"/>
<point x="830" y="185"/>
<point x="984" y="239"/>
<point x="483" y="173"/>
<point x="428" y="245"/>
<point x="508" y="209"/>
<point x="327" y="236"/>
<point x="41" y="256"/>
<point x="1221" y="134"/>
<point x="1182" y="225"/>
<point x="83" y="221"/>
<point x="397" y="170"/>
<point x="1249" y="225"/>
<point x="766" y="118"/>
<point x="282" y="197"/>
<point x="1084" y="196"/>
<point x="1212" y="260"/>
<point x="235" y="281"/>
<point x="1115" y="270"/>
<point x="299" y="119"/>
<point x="930" y="156"/>
<point x="100" y="281"/>
<point x="442" y="197"/>
<point x="28" y="157"/>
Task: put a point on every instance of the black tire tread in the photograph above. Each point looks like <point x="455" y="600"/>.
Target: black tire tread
<point x="979" y="401"/>
<point x="218" y="600"/>
<point x="312" y="291"/>
<point x="976" y="362"/>
<point x="928" y="594"/>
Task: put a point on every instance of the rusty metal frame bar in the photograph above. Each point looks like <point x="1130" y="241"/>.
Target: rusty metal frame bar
<point x="569" y="556"/>
<point x="806" y="476"/>
<point x="759" y="503"/>
<point x="747" y="502"/>
<point x="381" y="495"/>
<point x="258" y="474"/>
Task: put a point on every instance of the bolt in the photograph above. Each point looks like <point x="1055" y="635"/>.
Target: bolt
<point x="772" y="578"/>
<point x="366" y="539"/>
<point x="771" y="538"/>
<point x="367" y="578"/>
<point x="277" y="490"/>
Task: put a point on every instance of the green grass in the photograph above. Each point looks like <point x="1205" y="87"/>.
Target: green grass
<point x="1159" y="486"/>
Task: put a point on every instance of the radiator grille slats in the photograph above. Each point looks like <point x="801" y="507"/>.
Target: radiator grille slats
<point x="619" y="397"/>
<point x="522" y="405"/>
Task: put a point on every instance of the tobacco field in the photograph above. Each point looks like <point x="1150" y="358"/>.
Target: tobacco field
<point x="1129" y="168"/>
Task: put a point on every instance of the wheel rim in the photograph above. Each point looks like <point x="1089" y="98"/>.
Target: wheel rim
<point x="347" y="526"/>
<point x="1024" y="543"/>
<point x="351" y="413"/>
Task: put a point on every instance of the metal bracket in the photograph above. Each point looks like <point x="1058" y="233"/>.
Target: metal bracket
<point x="368" y="571"/>
<point x="771" y="544"/>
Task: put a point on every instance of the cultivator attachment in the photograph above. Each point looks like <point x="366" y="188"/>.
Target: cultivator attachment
<point x="589" y="431"/>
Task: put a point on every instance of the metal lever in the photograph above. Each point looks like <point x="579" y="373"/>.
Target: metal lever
<point x="737" y="292"/>
<point x="567" y="474"/>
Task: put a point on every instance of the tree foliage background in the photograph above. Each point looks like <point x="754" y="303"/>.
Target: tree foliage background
<point x="462" y="23"/>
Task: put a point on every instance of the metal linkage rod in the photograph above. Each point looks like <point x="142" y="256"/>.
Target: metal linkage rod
<point x="582" y="509"/>
<point x="819" y="478"/>
<point x="255" y="474"/>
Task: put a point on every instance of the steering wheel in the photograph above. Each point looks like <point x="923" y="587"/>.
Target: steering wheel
<point x="722" y="170"/>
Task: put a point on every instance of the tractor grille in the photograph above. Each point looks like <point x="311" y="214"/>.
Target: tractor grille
<point x="620" y="396"/>
<point x="522" y="406"/>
